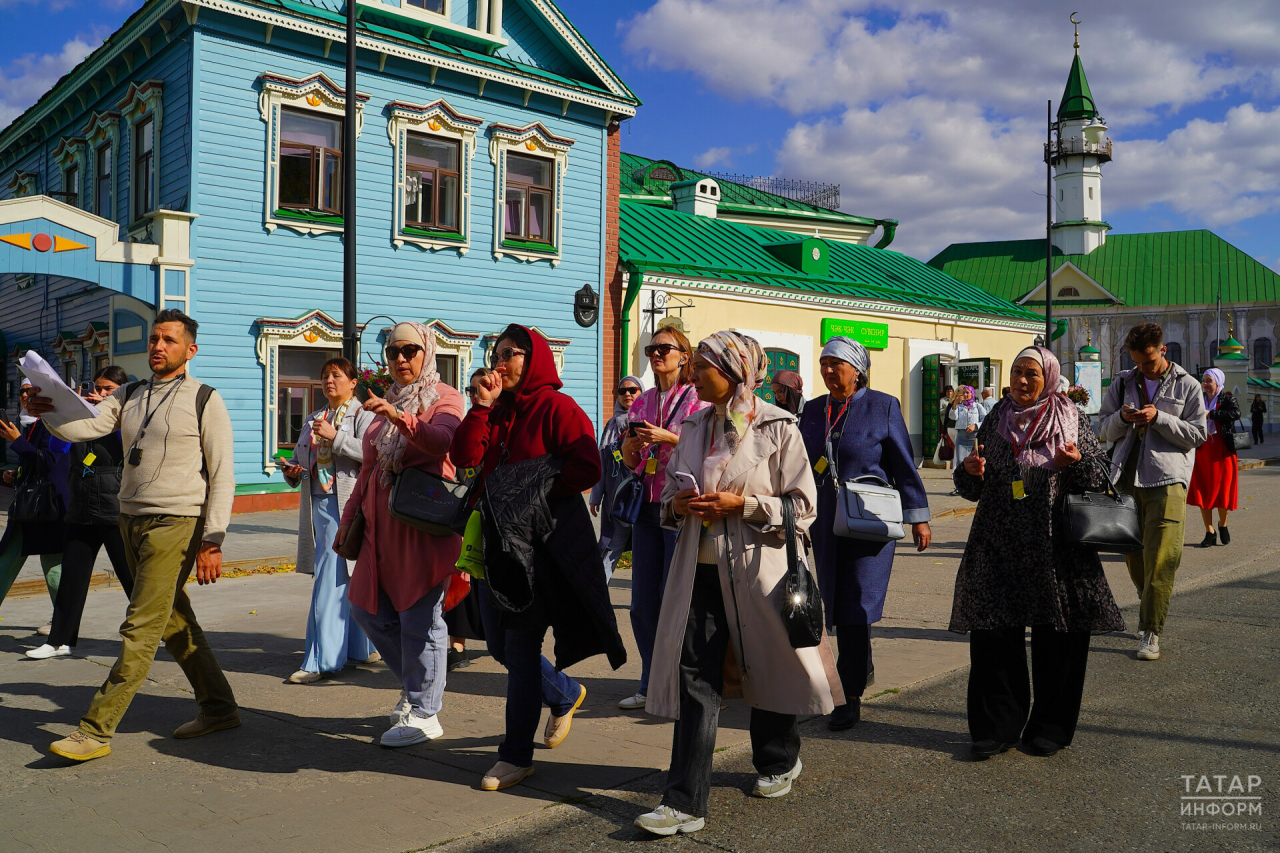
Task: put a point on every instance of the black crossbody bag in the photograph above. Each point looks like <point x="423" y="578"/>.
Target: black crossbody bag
<point x="802" y="605"/>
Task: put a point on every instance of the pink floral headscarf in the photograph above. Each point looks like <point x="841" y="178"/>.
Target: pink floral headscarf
<point x="742" y="360"/>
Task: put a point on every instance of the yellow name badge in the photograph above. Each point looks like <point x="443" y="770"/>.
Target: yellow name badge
<point x="820" y="466"/>
<point x="89" y="459"/>
<point x="651" y="467"/>
<point x="1019" y="489"/>
<point x="617" y="455"/>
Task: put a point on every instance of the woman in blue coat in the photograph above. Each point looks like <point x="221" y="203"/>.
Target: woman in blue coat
<point x="856" y="432"/>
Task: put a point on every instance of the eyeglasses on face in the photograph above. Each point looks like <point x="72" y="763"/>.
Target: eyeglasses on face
<point x="659" y="349"/>
<point x="628" y="389"/>
<point x="505" y="354"/>
<point x="409" y="351"/>
<point x="471" y="392"/>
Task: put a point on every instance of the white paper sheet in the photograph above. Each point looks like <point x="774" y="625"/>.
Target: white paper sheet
<point x="66" y="402"/>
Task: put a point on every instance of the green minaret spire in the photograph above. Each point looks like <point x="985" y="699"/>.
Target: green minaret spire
<point x="1077" y="100"/>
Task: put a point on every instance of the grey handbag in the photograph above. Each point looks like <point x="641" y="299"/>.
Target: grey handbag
<point x="868" y="508"/>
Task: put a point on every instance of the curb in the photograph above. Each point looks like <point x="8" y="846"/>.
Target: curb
<point x="1259" y="463"/>
<point x="231" y="569"/>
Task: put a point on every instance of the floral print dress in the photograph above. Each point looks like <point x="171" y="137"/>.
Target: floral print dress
<point x="1017" y="569"/>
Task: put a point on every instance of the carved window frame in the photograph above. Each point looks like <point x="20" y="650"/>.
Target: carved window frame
<point x="70" y="154"/>
<point x="434" y="119"/>
<point x="140" y="102"/>
<point x="531" y="140"/>
<point x="103" y="129"/>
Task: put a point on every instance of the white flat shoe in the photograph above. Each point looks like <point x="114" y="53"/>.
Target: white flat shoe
<point x="633" y="703"/>
<point x="45" y="629"/>
<point x="48" y="651"/>
<point x="412" y="729"/>
<point x="302" y="676"/>
<point x="504" y="775"/>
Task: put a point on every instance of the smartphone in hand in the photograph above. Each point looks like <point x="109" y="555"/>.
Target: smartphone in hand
<point x="686" y="481"/>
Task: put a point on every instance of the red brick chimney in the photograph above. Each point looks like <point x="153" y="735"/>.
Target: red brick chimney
<point x="611" y="299"/>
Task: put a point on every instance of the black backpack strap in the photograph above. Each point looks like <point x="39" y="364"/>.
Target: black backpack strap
<point x="203" y="393"/>
<point x="133" y="388"/>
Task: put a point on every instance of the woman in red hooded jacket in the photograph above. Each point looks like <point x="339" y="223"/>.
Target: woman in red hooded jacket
<point x="521" y="415"/>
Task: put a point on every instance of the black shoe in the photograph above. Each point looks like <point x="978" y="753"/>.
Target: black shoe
<point x="1210" y="539"/>
<point x="458" y="660"/>
<point x="1041" y="746"/>
<point x="984" y="749"/>
<point x="845" y="716"/>
<point x="1226" y="537"/>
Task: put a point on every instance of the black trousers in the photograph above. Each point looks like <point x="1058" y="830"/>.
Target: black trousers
<point x="78" y="555"/>
<point x="1257" y="430"/>
<point x="854" y="664"/>
<point x="1000" y="706"/>
<point x="775" y="738"/>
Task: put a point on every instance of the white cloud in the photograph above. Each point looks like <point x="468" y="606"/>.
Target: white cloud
<point x="28" y="77"/>
<point x="712" y="157"/>
<point x="931" y="111"/>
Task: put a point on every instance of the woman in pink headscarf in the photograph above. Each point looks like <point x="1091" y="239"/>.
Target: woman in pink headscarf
<point x="1019" y="572"/>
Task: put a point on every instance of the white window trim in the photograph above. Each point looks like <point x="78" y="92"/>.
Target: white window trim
<point x="142" y="101"/>
<point x="317" y="94"/>
<point x="536" y="140"/>
<point x="70" y="154"/>
<point x="558" y="346"/>
<point x="434" y="119"/>
<point x="103" y="128"/>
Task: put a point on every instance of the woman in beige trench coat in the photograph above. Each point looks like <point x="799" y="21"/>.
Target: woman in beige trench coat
<point x="722" y="607"/>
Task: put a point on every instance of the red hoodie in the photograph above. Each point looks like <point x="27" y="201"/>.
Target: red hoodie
<point x="534" y="420"/>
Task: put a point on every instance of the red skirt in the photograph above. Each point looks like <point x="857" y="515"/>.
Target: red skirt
<point x="1215" y="478"/>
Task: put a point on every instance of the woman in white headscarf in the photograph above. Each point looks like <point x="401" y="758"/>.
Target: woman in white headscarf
<point x="1215" y="477"/>
<point x="404" y="578"/>
<point x="724" y="592"/>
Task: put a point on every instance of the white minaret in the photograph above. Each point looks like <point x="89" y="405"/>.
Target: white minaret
<point x="1077" y="158"/>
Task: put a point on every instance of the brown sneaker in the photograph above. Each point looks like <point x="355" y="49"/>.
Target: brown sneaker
<point x="80" y="747"/>
<point x="558" y="727"/>
<point x="204" y="723"/>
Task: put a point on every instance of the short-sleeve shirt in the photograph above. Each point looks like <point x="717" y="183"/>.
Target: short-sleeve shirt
<point x="668" y="410"/>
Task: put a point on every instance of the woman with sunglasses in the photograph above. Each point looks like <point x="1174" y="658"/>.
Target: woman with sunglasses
<point x="403" y="576"/>
<point x="326" y="463"/>
<point x="542" y="566"/>
<point x="655" y="421"/>
<point x="615" y="536"/>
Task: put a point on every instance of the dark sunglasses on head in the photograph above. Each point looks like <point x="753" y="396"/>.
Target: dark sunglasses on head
<point x="628" y="389"/>
<point x="659" y="349"/>
<point x="409" y="351"/>
<point x="506" y="354"/>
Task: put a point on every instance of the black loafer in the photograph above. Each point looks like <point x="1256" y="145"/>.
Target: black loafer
<point x="1210" y="539"/>
<point x="845" y="717"/>
<point x="458" y="659"/>
<point x="1224" y="535"/>
<point x="1041" y="746"/>
<point x="984" y="749"/>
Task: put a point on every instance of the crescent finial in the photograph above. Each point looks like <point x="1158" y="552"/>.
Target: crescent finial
<point x="1077" y="25"/>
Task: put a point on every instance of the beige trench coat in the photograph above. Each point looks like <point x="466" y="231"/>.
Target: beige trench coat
<point x="771" y="461"/>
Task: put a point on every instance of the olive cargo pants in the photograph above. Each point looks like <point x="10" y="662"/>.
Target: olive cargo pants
<point x="1162" y="512"/>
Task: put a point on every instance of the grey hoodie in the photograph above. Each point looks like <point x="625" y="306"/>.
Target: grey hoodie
<point x="1168" y="452"/>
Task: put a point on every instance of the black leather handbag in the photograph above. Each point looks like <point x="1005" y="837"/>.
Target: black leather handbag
<point x="36" y="501"/>
<point x="802" y="606"/>
<point x="431" y="503"/>
<point x="1105" y="521"/>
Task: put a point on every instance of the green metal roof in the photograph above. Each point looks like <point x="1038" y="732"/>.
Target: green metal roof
<point x="1167" y="268"/>
<point x="739" y="197"/>
<point x="661" y="241"/>
<point x="1077" y="100"/>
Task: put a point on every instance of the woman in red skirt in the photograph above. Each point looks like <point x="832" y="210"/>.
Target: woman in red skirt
<point x="1214" y="480"/>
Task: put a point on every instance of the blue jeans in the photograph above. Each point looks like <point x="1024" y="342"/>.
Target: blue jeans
<point x="413" y="643"/>
<point x="652" y="547"/>
<point x="531" y="680"/>
<point x="333" y="637"/>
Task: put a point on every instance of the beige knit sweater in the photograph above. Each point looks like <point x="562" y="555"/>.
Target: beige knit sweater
<point x="169" y="479"/>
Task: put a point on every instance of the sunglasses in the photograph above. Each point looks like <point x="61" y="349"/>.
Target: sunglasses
<point x="628" y="389"/>
<point x="409" y="351"/>
<point x="660" y="349"/>
<point x="471" y="392"/>
<point x="506" y="354"/>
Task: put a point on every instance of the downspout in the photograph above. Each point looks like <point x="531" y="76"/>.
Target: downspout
<point x="890" y="227"/>
<point x="634" y="279"/>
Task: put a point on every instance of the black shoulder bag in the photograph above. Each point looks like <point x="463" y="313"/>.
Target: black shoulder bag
<point x="802" y="606"/>
<point x="1105" y="521"/>
<point x="432" y="503"/>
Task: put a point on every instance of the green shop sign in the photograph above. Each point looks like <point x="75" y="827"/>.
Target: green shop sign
<point x="870" y="335"/>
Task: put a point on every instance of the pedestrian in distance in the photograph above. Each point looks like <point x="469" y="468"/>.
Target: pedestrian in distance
<point x="405" y="578"/>
<point x="736" y="461"/>
<point x="35" y="525"/>
<point x="1215" y="477"/>
<point x="1155" y="414"/>
<point x="91" y="524"/>
<point x="788" y="391"/>
<point x="325" y="466"/>
<point x="969" y="414"/>
<point x="537" y="452"/>
<point x="655" y="424"/>
<point x="615" y="535"/>
<point x="176" y="492"/>
<point x="1259" y="412"/>
<point x="853" y="431"/>
<point x="988" y="400"/>
<point x="1018" y="571"/>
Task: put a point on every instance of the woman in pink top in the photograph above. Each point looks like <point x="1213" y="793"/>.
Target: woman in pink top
<point x="655" y="420"/>
<point x="402" y="576"/>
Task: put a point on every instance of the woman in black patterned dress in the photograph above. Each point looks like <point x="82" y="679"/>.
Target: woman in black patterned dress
<point x="1018" y="571"/>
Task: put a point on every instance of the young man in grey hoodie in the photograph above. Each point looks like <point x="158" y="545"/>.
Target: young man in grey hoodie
<point x="1155" y="413"/>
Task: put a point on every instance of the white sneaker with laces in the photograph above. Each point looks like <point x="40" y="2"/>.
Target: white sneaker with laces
<point x="412" y="729"/>
<point x="633" y="703"/>
<point x="665" y="820"/>
<point x="1149" y="648"/>
<point x="48" y="651"/>
<point x="402" y="707"/>
<point x="777" y="786"/>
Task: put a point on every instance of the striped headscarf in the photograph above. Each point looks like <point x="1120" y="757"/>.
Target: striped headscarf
<point x="742" y="360"/>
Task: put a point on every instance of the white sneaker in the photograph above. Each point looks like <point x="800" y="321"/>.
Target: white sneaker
<point x="777" y="786"/>
<point x="48" y="651"/>
<point x="665" y="820"/>
<point x="1149" y="648"/>
<point x="304" y="676"/>
<point x="412" y="729"/>
<point x="402" y="707"/>
<point x="634" y="703"/>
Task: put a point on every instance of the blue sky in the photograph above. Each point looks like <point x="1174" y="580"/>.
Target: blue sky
<point x="929" y="111"/>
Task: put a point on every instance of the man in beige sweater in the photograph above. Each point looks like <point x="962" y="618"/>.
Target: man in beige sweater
<point x="175" y="502"/>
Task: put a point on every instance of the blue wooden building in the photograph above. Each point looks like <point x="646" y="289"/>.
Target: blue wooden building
<point x="194" y="161"/>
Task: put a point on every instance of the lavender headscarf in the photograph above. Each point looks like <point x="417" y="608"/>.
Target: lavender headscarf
<point x="1045" y="425"/>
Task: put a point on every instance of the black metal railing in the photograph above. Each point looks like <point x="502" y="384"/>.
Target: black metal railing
<point x="813" y="193"/>
<point x="1075" y="146"/>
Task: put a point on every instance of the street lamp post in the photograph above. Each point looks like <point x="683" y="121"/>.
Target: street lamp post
<point x="350" y="335"/>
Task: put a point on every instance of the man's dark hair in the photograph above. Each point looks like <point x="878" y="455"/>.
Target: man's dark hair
<point x="113" y="373"/>
<point x="173" y="315"/>
<point x="948" y="388"/>
<point x="1144" y="336"/>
